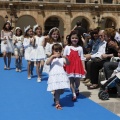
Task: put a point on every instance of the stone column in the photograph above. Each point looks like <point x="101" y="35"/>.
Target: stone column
<point x="87" y="1"/>
<point x="67" y="26"/>
<point x="114" y="2"/>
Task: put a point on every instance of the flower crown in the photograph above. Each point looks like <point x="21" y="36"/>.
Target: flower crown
<point x="34" y="27"/>
<point x="28" y="27"/>
<point x="17" y="28"/>
<point x="8" y="22"/>
<point x="54" y="28"/>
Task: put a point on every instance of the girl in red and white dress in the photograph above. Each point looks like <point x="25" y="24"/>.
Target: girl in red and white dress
<point x="76" y="70"/>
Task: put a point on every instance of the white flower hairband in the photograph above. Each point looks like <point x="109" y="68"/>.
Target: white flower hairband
<point x="54" y="28"/>
<point x="34" y="27"/>
<point x="17" y="28"/>
<point x="28" y="27"/>
<point x="8" y="22"/>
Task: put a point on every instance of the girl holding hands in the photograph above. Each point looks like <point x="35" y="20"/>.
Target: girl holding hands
<point x="76" y="70"/>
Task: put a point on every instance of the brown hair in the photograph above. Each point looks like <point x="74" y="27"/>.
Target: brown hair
<point x="56" y="47"/>
<point x="110" y="32"/>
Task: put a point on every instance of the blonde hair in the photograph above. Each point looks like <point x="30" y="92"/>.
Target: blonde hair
<point x="110" y="32"/>
<point x="54" y="29"/>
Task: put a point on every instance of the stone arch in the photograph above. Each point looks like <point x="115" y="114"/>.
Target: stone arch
<point x="54" y="21"/>
<point x="2" y="22"/>
<point x="25" y="20"/>
<point x="109" y="23"/>
<point x="85" y="22"/>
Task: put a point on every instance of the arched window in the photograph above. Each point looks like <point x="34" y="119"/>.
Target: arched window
<point x="80" y="1"/>
<point x="107" y="1"/>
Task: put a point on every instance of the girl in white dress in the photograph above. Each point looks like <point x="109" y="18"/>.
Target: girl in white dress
<point x="38" y="52"/>
<point x="18" y="48"/>
<point x="58" y="79"/>
<point x="7" y="46"/>
<point x="28" y="43"/>
<point x="53" y="38"/>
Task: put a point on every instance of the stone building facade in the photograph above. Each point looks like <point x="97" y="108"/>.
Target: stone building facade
<point x="61" y="13"/>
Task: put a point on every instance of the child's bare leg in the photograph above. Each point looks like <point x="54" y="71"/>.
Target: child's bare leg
<point x="28" y="69"/>
<point x="5" y="59"/>
<point x="57" y="98"/>
<point x="42" y="65"/>
<point x="72" y="85"/>
<point x="37" y="68"/>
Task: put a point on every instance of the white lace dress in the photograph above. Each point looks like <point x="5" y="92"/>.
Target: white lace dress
<point x="38" y="52"/>
<point x="48" y="51"/>
<point x="57" y="76"/>
<point x="6" y="42"/>
<point x="28" y="48"/>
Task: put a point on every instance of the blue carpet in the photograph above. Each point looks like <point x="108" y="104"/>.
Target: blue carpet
<point x="23" y="99"/>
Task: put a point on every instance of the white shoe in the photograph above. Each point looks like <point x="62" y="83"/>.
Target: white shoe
<point x="17" y="70"/>
<point x="29" y="78"/>
<point x="38" y="79"/>
<point x="103" y="82"/>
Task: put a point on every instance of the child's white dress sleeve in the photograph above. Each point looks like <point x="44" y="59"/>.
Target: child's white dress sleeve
<point x="81" y="54"/>
<point x="26" y="43"/>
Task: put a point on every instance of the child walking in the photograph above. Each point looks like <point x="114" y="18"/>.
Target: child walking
<point x="28" y="43"/>
<point x="7" y="46"/>
<point x="18" y="48"/>
<point x="58" y="79"/>
<point x="53" y="38"/>
<point x="76" y="70"/>
<point x="38" y="52"/>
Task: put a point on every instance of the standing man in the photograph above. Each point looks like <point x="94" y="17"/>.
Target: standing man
<point x="79" y="28"/>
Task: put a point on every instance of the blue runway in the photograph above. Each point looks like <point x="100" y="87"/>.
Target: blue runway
<point x="23" y="99"/>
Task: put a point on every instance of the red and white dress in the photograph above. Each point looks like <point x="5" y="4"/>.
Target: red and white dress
<point x="75" y="56"/>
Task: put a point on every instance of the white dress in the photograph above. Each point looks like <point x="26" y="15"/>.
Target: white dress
<point x="28" y="48"/>
<point x="8" y="46"/>
<point x="48" y="51"/>
<point x="48" y="47"/>
<point x="57" y="76"/>
<point x="38" y="52"/>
